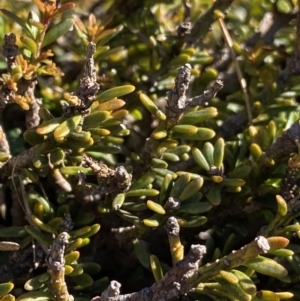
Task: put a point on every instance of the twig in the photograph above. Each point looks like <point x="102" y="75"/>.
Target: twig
<point x="206" y="96"/>
<point x="186" y="275"/>
<point x="289" y="180"/>
<point x="185" y="27"/>
<point x="32" y="115"/>
<point x="284" y="145"/>
<point x="56" y="267"/>
<point x="24" y="159"/>
<point x="187" y="9"/>
<point x="118" y="180"/>
<point x="259" y="245"/>
<point x="240" y="76"/>
<point x="59" y="180"/>
<point x="125" y="234"/>
<point x="10" y="51"/>
<point x="268" y="27"/>
<point x="234" y="124"/>
<point x="88" y="86"/>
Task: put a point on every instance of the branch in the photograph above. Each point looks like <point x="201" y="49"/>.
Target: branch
<point x="236" y="123"/>
<point x="202" y="25"/>
<point x="293" y="64"/>
<point x="24" y="159"/>
<point x="269" y="26"/>
<point x="206" y="96"/>
<point x="186" y="275"/>
<point x="170" y="287"/>
<point x="260" y="245"/>
<point x="284" y="145"/>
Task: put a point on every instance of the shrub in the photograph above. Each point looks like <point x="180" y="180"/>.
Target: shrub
<point x="142" y="143"/>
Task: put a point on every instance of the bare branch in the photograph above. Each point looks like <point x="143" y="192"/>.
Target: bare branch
<point x="171" y="287"/>
<point x="202" y="25"/>
<point x="177" y="101"/>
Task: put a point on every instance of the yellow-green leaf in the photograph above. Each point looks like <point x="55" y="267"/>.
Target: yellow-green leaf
<point x="156" y="268"/>
<point x="64" y="129"/>
<point x="57" y="31"/>
<point x="266" y="266"/>
<point x="115" y="92"/>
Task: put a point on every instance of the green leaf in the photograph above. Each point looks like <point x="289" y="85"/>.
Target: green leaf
<point x="266" y="266"/>
<point x="196" y="208"/>
<point x="19" y="21"/>
<point x="156" y="268"/>
<point x="39" y="236"/>
<point x="37" y="282"/>
<point x="115" y="92"/>
<point x="37" y="296"/>
<point x="194" y="221"/>
<point x="10" y="232"/>
<point x="30" y="44"/>
<point x="284" y="6"/>
<point x="142" y="192"/>
<point x="198" y="116"/>
<point x="33" y="16"/>
<point x="201" y="134"/>
<point x="57" y="31"/>
<point x="64" y="129"/>
<point x="108" y="34"/>
<point x="5" y="288"/>
<point x="142" y="252"/>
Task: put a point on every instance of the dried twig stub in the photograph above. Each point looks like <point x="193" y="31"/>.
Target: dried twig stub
<point x="118" y="180"/>
<point x="56" y="267"/>
<point x="10" y="49"/>
<point x="176" y="248"/>
<point x="88" y="86"/>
